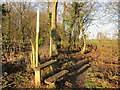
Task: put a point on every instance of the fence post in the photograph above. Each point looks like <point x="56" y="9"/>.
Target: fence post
<point x="37" y="72"/>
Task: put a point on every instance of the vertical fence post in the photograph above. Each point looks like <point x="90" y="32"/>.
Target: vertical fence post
<point x="37" y="72"/>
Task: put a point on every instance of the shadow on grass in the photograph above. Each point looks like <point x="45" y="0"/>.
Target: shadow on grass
<point x="74" y="72"/>
<point x="68" y="51"/>
<point x="57" y="66"/>
<point x="71" y="77"/>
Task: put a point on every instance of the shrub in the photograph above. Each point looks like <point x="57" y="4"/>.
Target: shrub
<point x="41" y="41"/>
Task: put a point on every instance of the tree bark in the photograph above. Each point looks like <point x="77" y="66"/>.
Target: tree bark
<point x="53" y="46"/>
<point x="84" y="42"/>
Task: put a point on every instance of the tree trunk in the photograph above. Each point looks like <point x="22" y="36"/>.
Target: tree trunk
<point x="53" y="46"/>
<point x="63" y="39"/>
<point x="70" y="40"/>
<point x="63" y="16"/>
<point x="84" y="42"/>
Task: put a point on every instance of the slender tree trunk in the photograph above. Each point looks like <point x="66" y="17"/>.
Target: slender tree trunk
<point x="22" y="27"/>
<point x="63" y="16"/>
<point x="84" y="42"/>
<point x="74" y="41"/>
<point x="48" y="10"/>
<point x="70" y="39"/>
<point x="9" y="31"/>
<point x="9" y="27"/>
<point x="53" y="46"/>
<point x="63" y="24"/>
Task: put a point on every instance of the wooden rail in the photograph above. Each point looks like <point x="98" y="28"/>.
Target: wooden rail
<point x="45" y="64"/>
<point x="51" y="80"/>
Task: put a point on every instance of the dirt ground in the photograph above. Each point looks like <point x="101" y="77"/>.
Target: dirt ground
<point x="96" y="69"/>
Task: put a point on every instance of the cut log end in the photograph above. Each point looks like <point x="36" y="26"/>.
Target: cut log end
<point x="48" y="82"/>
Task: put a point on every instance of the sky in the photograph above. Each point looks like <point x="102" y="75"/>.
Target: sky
<point x="104" y="24"/>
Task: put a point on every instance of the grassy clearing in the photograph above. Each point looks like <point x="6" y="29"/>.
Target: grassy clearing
<point x="102" y="42"/>
<point x="103" y="72"/>
<point x="97" y="76"/>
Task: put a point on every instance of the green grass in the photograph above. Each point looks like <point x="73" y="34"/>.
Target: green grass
<point x="102" y="42"/>
<point x="94" y="82"/>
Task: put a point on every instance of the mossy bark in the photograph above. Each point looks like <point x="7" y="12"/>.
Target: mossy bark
<point x="53" y="46"/>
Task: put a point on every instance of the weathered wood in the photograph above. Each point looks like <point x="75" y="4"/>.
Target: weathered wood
<point x="37" y="79"/>
<point x="82" y="61"/>
<point x="45" y="64"/>
<point x="52" y="79"/>
<point x="51" y="85"/>
<point x="37" y="37"/>
<point x="37" y="73"/>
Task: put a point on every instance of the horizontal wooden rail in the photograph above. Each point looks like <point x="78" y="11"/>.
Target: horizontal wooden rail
<point x="45" y="64"/>
<point x="82" y="61"/>
<point x="54" y="78"/>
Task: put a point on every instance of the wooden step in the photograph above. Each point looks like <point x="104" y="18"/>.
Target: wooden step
<point x="45" y="64"/>
<point x="53" y="78"/>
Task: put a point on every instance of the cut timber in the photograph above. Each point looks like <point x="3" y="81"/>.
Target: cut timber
<point x="52" y="79"/>
<point x="45" y="64"/>
<point x="37" y="79"/>
<point x="82" y="61"/>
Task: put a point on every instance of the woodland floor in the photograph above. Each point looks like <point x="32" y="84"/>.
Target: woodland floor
<point x="96" y="69"/>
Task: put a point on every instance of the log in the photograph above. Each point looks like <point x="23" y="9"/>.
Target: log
<point x="45" y="64"/>
<point x="53" y="78"/>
